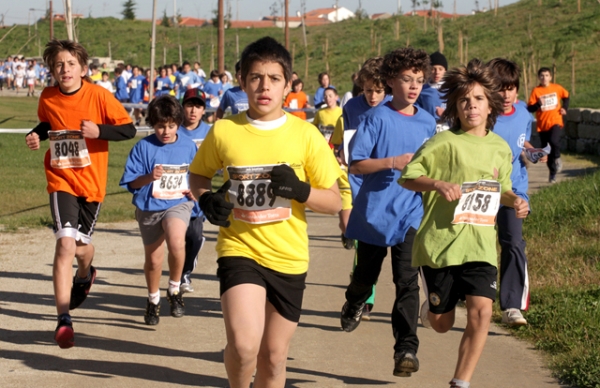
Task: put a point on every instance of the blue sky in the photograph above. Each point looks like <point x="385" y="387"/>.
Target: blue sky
<point x="20" y="12"/>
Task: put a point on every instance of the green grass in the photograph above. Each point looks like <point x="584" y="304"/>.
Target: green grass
<point x="23" y="189"/>
<point x="523" y="31"/>
<point x="18" y="112"/>
<point x="563" y="249"/>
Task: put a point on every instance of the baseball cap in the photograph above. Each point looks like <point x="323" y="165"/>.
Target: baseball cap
<point x="192" y="94"/>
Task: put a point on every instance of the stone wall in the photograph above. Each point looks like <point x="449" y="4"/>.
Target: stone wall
<point x="581" y="133"/>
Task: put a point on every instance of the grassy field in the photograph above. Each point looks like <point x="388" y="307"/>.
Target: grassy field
<point x="18" y="112"/>
<point x="530" y="34"/>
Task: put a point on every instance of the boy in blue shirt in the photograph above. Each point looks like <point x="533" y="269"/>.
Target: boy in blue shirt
<point x="387" y="215"/>
<point x="234" y="98"/>
<point x="431" y="99"/>
<point x="137" y="83"/>
<point x="193" y="127"/>
<point x="514" y="126"/>
<point x="121" y="93"/>
<point x="186" y="79"/>
<point x="156" y="172"/>
<point x="163" y="83"/>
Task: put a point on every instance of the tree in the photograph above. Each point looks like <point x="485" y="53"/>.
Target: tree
<point x="165" y="20"/>
<point x="129" y="10"/>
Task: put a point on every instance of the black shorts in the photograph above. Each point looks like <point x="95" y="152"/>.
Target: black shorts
<point x="444" y="287"/>
<point x="73" y="216"/>
<point x="284" y="292"/>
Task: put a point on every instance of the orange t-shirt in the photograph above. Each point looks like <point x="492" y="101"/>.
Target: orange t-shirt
<point x="301" y="102"/>
<point x="550" y="100"/>
<point x="91" y="102"/>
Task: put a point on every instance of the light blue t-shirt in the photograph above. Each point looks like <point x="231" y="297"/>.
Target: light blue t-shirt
<point x="166" y="85"/>
<point x="515" y="129"/>
<point x="136" y="88"/>
<point x="429" y="99"/>
<point x="183" y="80"/>
<point x="197" y="135"/>
<point x="236" y="99"/>
<point x="212" y="89"/>
<point x="121" y="89"/>
<point x="353" y="113"/>
<point x="143" y="157"/>
<point x="384" y="211"/>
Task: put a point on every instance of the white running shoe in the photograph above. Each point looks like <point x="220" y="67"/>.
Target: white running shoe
<point x="513" y="317"/>
<point x="186" y="288"/>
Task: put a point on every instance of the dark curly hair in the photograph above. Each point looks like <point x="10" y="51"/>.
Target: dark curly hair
<point x="164" y="109"/>
<point x="402" y="59"/>
<point x="460" y="80"/>
<point x="371" y="71"/>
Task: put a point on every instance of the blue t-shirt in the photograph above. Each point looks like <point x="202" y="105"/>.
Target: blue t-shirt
<point x="166" y="85"/>
<point x="183" y="80"/>
<point x="429" y="99"/>
<point x="121" y="89"/>
<point x="383" y="211"/>
<point x="353" y="113"/>
<point x="212" y="89"/>
<point x="515" y="129"/>
<point x="197" y="135"/>
<point x="144" y="156"/>
<point x="136" y="88"/>
<point x="236" y="99"/>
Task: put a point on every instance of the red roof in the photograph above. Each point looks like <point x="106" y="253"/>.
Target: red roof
<point x="251" y="23"/>
<point x="192" y="22"/>
<point x="319" y="11"/>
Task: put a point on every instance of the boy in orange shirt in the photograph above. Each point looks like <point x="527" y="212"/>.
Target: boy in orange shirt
<point x="544" y="101"/>
<point x="79" y="118"/>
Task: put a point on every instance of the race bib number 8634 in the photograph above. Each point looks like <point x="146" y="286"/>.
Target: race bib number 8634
<point x="478" y="204"/>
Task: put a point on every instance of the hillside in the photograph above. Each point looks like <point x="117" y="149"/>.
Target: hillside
<point x="525" y="32"/>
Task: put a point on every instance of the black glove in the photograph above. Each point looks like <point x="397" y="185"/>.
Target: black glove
<point x="215" y="207"/>
<point x="285" y="183"/>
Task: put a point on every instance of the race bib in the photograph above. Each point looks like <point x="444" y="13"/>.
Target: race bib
<point x="68" y="149"/>
<point x="348" y="135"/>
<point x="327" y="131"/>
<point x="294" y="103"/>
<point x="184" y="80"/>
<point x="159" y="85"/>
<point x="134" y="84"/>
<point x="172" y="183"/>
<point x="198" y="142"/>
<point x="253" y="198"/>
<point x="549" y="101"/>
<point x="214" y="102"/>
<point x="478" y="204"/>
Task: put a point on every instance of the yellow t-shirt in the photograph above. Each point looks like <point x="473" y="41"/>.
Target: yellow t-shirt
<point x="325" y="119"/>
<point x="338" y="133"/>
<point x="281" y="246"/>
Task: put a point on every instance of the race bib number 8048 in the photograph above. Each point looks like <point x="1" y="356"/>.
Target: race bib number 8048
<point x="478" y="204"/>
<point x="68" y="149"/>
<point x="253" y="198"/>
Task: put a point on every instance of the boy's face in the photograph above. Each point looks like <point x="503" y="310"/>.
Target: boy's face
<point x="509" y="95"/>
<point x="166" y="132"/>
<point x="407" y="86"/>
<point x="136" y="71"/>
<point x="437" y="73"/>
<point x="545" y="78"/>
<point x="265" y="86"/>
<point x="473" y="109"/>
<point x="325" y="81"/>
<point x="186" y="69"/>
<point x="298" y="87"/>
<point x="68" y="71"/>
<point x="104" y="77"/>
<point x="330" y="98"/>
<point x="163" y="73"/>
<point x="374" y="94"/>
<point x="193" y="112"/>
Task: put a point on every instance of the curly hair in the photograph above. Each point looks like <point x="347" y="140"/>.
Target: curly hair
<point x="164" y="109"/>
<point x="371" y="71"/>
<point x="460" y="80"/>
<point x="402" y="59"/>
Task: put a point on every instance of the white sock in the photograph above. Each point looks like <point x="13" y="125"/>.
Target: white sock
<point x="173" y="287"/>
<point x="154" y="298"/>
<point x="460" y="383"/>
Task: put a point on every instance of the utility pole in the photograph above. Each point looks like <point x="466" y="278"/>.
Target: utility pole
<point x="175" y="13"/>
<point x="152" y="53"/>
<point x="51" y="13"/>
<point x="221" y="39"/>
<point x="287" y="24"/>
<point x="69" y="19"/>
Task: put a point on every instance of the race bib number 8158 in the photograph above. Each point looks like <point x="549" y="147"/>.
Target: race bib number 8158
<point x="478" y="204"/>
<point x="253" y="198"/>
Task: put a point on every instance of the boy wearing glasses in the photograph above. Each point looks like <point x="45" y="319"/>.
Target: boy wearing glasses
<point x="386" y="215"/>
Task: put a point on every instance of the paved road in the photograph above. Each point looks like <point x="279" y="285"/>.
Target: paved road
<point x="114" y="348"/>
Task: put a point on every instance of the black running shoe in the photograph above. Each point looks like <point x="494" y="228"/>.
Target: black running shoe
<point x="405" y="364"/>
<point x="64" y="334"/>
<point x="152" y="314"/>
<point x="350" y="317"/>
<point x="80" y="291"/>
<point x="176" y="302"/>
<point x="348" y="243"/>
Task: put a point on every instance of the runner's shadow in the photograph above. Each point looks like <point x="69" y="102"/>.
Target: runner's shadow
<point x="108" y="369"/>
<point x="345" y="379"/>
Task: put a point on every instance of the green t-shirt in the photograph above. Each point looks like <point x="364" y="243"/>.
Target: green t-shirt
<point x="457" y="157"/>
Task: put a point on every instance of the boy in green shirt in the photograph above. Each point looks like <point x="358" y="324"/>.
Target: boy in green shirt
<point x="464" y="174"/>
